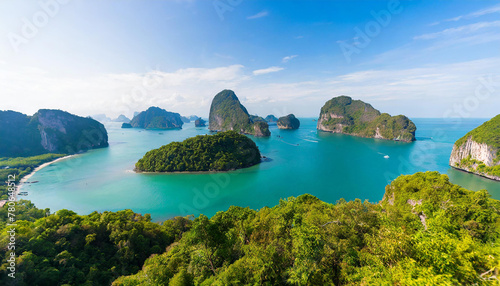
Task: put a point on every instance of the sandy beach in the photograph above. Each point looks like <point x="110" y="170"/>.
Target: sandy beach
<point x="26" y="178"/>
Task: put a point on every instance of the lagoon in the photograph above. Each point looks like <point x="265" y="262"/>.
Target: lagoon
<point x="329" y="166"/>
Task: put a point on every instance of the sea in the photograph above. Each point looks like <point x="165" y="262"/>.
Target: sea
<point x="328" y="166"/>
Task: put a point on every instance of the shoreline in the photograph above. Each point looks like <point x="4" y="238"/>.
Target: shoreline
<point x="485" y="176"/>
<point x="26" y="178"/>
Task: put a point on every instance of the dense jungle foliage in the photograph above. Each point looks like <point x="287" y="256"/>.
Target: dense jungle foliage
<point x="220" y="152"/>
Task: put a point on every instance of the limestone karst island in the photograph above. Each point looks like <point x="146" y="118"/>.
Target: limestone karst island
<point x="227" y="113"/>
<point x="478" y="152"/>
<point x="354" y="117"/>
<point x="253" y="143"/>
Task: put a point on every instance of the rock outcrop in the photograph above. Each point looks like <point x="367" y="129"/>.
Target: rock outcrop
<point x="288" y="122"/>
<point x="478" y="152"/>
<point x="157" y="118"/>
<point x="200" y="123"/>
<point x="49" y="131"/>
<point x="355" y="117"/>
<point x="227" y="113"/>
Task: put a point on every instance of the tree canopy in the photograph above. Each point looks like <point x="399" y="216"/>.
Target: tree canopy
<point x="220" y="152"/>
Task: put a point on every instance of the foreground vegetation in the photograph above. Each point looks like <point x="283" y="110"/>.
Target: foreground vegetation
<point x="68" y="249"/>
<point x="220" y="152"/>
<point x="20" y="167"/>
<point x="425" y="231"/>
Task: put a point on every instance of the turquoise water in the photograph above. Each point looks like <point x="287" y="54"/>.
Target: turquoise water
<point x="329" y="166"/>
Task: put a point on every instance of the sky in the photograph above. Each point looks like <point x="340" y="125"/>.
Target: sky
<point x="417" y="58"/>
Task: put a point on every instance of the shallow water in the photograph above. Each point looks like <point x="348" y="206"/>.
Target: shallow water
<point x="329" y="166"/>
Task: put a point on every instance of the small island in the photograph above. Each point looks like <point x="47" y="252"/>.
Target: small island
<point x="157" y="118"/>
<point x="289" y="122"/>
<point x="223" y="151"/>
<point x="126" y="125"/>
<point x="271" y="119"/>
<point x="478" y="152"/>
<point x="344" y="115"/>
<point x="200" y="123"/>
<point x="227" y="113"/>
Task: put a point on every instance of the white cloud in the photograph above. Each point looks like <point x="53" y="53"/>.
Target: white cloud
<point x="186" y="91"/>
<point x="288" y="58"/>
<point x="466" y="29"/>
<point x="268" y="70"/>
<point x="423" y="91"/>
<point x="482" y="12"/>
<point x="258" y="15"/>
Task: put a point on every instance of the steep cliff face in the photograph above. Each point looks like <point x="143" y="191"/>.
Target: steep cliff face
<point x="227" y="113"/>
<point x="478" y="152"/>
<point x="47" y="131"/>
<point x="157" y="118"/>
<point x="288" y="122"/>
<point x="355" y="117"/>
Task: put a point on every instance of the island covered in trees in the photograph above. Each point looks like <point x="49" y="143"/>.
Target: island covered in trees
<point x="48" y="131"/>
<point x="288" y="122"/>
<point x="223" y="151"/>
<point x="227" y="113"/>
<point x="478" y="152"/>
<point x="156" y="118"/>
<point x="344" y="115"/>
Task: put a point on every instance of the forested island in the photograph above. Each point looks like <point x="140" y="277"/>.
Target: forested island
<point x="344" y="115"/>
<point x="478" y="152"/>
<point x="288" y="122"/>
<point x="223" y="151"/>
<point x="227" y="113"/>
<point x="425" y="231"/>
<point x="157" y="118"/>
<point x="48" y="131"/>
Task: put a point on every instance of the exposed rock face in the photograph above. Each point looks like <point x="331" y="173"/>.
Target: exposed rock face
<point x="122" y="118"/>
<point x="200" y="123"/>
<point x="227" y="113"/>
<point x="53" y="131"/>
<point x="157" y="118"/>
<point x="288" y="122"/>
<point x="478" y="152"/>
<point x="355" y="117"/>
<point x="261" y="129"/>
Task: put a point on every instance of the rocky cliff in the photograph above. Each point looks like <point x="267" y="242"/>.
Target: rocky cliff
<point x="355" y="117"/>
<point x="288" y="122"/>
<point x="157" y="118"/>
<point x="227" y="113"/>
<point x="478" y="152"/>
<point x="48" y="131"/>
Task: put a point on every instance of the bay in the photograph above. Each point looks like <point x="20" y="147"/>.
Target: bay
<point x="329" y="166"/>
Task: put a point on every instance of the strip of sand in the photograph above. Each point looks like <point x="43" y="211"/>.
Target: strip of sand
<point x="26" y="178"/>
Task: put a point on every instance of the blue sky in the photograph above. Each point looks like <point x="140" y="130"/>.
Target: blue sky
<point x="418" y="58"/>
